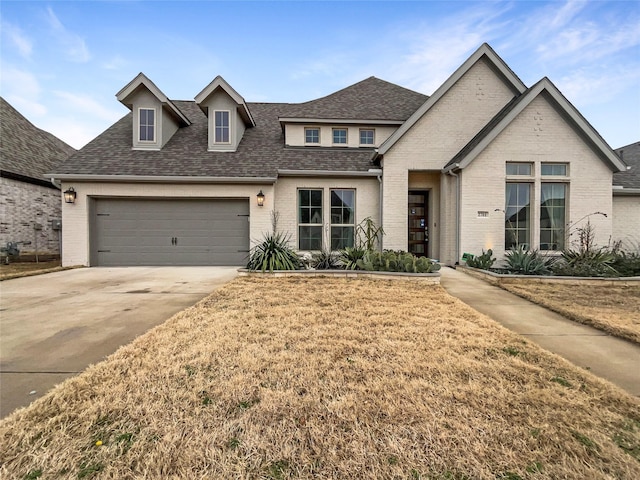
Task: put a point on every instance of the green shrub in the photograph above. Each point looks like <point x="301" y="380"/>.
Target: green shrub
<point x="627" y="264"/>
<point x="527" y="262"/>
<point x="325" y="260"/>
<point x="396" y="262"/>
<point x="349" y="257"/>
<point x="484" y="261"/>
<point x="595" y="262"/>
<point x="273" y="253"/>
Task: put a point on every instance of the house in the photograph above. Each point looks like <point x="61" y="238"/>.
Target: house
<point x="484" y="162"/>
<point x="626" y="198"/>
<point x="30" y="205"/>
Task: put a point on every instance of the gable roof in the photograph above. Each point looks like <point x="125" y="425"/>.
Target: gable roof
<point x="485" y="51"/>
<point x="26" y="150"/>
<point x="221" y="83"/>
<point x="142" y="80"/>
<point x="503" y="118"/>
<point x="630" y="179"/>
<point x="370" y="99"/>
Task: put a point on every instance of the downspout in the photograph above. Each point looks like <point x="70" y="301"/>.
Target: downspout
<point x="53" y="182"/>
<point x="450" y="172"/>
<point x="380" y="197"/>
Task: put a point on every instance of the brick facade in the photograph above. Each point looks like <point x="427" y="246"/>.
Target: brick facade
<point x="626" y="218"/>
<point x="23" y="206"/>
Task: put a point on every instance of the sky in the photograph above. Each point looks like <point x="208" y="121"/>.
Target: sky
<point x="62" y="62"/>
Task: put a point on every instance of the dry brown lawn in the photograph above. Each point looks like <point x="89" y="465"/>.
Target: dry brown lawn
<point x="614" y="309"/>
<point x="327" y="378"/>
<point x="25" y="269"/>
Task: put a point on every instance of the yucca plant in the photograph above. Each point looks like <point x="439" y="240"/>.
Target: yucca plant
<point x="527" y="262"/>
<point x="273" y="253"/>
<point x="349" y="257"/>
<point x="325" y="260"/>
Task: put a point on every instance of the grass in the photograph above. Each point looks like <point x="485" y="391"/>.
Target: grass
<point x="327" y="378"/>
<point x="26" y="269"/>
<point x="613" y="309"/>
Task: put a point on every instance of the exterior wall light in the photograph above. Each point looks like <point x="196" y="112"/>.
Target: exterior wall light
<point x="70" y="195"/>
<point x="260" y="197"/>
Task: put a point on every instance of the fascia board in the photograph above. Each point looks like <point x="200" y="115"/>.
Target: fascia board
<point x="328" y="173"/>
<point x="343" y="121"/>
<point x="484" y="50"/>
<point x="157" y="178"/>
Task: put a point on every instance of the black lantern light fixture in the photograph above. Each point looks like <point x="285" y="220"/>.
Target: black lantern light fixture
<point x="70" y="195"/>
<point x="260" y="198"/>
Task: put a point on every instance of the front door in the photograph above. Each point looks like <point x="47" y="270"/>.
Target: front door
<point x="418" y="223"/>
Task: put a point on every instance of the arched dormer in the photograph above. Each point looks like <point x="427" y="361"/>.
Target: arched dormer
<point x="227" y="113"/>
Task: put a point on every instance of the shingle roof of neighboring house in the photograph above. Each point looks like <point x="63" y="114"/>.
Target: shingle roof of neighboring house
<point x="261" y="152"/>
<point x="370" y="99"/>
<point x="630" y="155"/>
<point x="26" y="150"/>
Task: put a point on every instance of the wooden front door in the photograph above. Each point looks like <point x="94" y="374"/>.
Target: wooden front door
<point x="418" y="223"/>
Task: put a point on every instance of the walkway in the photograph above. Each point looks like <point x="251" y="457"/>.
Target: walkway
<point x="609" y="357"/>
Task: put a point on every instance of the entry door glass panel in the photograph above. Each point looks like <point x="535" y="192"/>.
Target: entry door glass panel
<point x="418" y="235"/>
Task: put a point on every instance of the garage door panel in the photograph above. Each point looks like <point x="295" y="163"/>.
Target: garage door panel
<point x="170" y="232"/>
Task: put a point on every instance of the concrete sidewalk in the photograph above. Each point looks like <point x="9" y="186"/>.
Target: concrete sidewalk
<point x="608" y="357"/>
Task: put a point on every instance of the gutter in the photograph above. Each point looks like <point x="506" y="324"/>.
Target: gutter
<point x="329" y="173"/>
<point x="158" y="178"/>
<point x="619" y="190"/>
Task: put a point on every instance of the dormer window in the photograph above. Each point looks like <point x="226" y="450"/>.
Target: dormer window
<point x="367" y="136"/>
<point x="221" y="127"/>
<point x="312" y="135"/>
<point x="340" y="136"/>
<point x="147" y="124"/>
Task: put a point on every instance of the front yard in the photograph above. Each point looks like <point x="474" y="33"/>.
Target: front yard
<point x="327" y="378"/>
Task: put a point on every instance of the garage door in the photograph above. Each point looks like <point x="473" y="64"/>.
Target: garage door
<point x="170" y="232"/>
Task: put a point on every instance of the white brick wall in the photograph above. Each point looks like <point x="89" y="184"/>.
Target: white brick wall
<point x="626" y="220"/>
<point x="432" y="142"/>
<point x="539" y="134"/>
<point x="21" y="206"/>
<point x="367" y="200"/>
<point x="76" y="221"/>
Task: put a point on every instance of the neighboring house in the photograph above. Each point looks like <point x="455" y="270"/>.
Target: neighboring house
<point x="485" y="162"/>
<point x="30" y="205"/>
<point x="626" y="198"/>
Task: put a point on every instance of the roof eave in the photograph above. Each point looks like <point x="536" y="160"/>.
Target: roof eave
<point x="350" y="121"/>
<point x="156" y="178"/>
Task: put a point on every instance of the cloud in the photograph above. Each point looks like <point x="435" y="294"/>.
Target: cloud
<point x="22" y="90"/>
<point x="75" y="47"/>
<point x="589" y="87"/>
<point x="76" y="133"/>
<point x="18" y="39"/>
<point x="86" y="104"/>
<point x="115" y="63"/>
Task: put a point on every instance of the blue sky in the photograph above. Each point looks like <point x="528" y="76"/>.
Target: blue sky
<point x="62" y="63"/>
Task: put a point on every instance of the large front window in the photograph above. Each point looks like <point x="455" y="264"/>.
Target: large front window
<point x="221" y="126"/>
<point x="552" y="215"/>
<point x="147" y="122"/>
<point x="517" y="228"/>
<point x="310" y="219"/>
<point x="342" y="218"/>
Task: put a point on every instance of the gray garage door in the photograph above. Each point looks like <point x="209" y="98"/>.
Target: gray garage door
<point x="170" y="232"/>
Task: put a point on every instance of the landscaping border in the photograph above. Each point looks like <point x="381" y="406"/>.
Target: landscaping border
<point x="429" y="278"/>
<point x="500" y="279"/>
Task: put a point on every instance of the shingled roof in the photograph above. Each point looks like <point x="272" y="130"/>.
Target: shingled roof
<point x="261" y="152"/>
<point x="630" y="154"/>
<point x="370" y="99"/>
<point x="27" y="152"/>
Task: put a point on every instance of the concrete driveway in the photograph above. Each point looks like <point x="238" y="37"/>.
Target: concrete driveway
<point x="53" y="326"/>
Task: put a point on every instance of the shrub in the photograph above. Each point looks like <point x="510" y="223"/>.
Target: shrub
<point x="394" y="262"/>
<point x="593" y="262"/>
<point x="527" y="262"/>
<point x="627" y="264"/>
<point x="325" y="260"/>
<point x="273" y="253"/>
<point x="484" y="261"/>
<point x="349" y="257"/>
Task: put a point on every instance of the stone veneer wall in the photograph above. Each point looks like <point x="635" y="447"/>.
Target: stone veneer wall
<point x="23" y="205"/>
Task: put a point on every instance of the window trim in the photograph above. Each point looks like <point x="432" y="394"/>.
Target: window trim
<point x="215" y="127"/>
<point x="300" y="224"/>
<point x="155" y="125"/>
<point x="342" y="225"/>
<point x="346" y="136"/>
<point x="373" y="138"/>
<point x="319" y="135"/>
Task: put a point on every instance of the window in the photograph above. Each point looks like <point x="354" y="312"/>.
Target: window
<point x="552" y="215"/>
<point x="517" y="168"/>
<point x="310" y="219"/>
<point x="342" y="218"/>
<point x="340" y="136"/>
<point x="367" y="137"/>
<point x="311" y="135"/>
<point x="517" y="215"/>
<point x="221" y="126"/>
<point x="557" y="169"/>
<point x="147" y="122"/>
